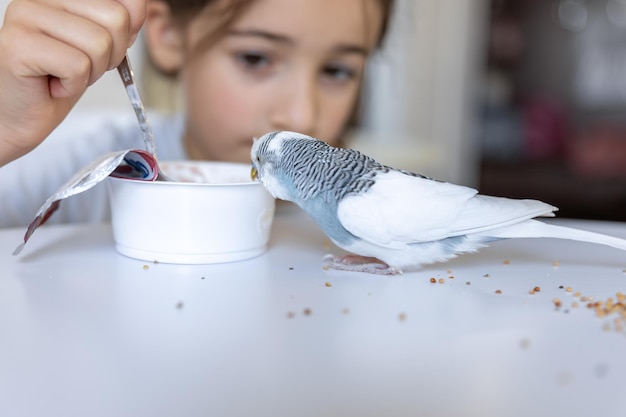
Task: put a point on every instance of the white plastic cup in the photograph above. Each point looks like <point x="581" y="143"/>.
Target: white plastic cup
<point x="223" y="217"/>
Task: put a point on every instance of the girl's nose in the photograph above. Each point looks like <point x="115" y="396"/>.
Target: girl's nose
<point x="296" y="108"/>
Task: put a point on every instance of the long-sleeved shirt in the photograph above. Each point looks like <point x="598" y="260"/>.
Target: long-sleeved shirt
<point x="27" y="182"/>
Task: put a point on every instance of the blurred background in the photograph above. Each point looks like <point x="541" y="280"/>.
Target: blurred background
<point x="554" y="105"/>
<point x="519" y="98"/>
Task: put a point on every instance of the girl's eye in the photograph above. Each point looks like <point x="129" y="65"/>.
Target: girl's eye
<point x="339" y="73"/>
<point x="253" y="60"/>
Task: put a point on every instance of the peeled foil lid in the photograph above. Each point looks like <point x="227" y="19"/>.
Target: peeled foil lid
<point x="131" y="164"/>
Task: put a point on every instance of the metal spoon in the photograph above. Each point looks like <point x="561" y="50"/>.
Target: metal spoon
<point x="126" y="73"/>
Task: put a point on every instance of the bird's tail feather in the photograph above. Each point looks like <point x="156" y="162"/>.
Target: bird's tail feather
<point x="536" y="229"/>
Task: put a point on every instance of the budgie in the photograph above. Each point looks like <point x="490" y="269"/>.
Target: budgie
<point x="393" y="220"/>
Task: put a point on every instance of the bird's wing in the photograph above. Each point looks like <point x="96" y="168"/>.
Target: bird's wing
<point x="484" y="213"/>
<point x="400" y="209"/>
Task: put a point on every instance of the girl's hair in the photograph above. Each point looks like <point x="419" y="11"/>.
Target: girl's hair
<point x="185" y="10"/>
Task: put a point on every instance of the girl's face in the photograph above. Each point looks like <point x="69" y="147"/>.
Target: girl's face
<point x="282" y="65"/>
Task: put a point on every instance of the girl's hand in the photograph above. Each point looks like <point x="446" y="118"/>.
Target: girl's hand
<point x="50" y="52"/>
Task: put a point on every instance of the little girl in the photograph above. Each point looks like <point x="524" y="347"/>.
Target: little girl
<point x="247" y="67"/>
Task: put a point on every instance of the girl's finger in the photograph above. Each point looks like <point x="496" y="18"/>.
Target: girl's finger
<point x="110" y="15"/>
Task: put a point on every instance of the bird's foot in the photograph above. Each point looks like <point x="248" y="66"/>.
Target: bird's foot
<point x="357" y="263"/>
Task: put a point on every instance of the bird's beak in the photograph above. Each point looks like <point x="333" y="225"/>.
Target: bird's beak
<point x="254" y="174"/>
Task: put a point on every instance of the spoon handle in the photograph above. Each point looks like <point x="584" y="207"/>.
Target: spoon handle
<point x="126" y="73"/>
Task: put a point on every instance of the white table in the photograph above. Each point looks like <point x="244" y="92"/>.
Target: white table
<point x="85" y="331"/>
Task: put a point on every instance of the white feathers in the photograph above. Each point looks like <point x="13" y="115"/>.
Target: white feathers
<point x="275" y="145"/>
<point x="534" y="228"/>
<point x="400" y="216"/>
<point x="400" y="208"/>
<point x="402" y="219"/>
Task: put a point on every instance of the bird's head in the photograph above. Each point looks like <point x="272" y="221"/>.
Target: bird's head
<point x="270" y="155"/>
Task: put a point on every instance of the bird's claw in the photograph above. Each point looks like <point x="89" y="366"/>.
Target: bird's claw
<point x="357" y="263"/>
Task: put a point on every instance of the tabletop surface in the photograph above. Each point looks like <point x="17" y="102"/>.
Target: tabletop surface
<point x="85" y="331"/>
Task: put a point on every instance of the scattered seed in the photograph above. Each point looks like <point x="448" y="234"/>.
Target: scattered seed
<point x="328" y="284"/>
<point x="290" y="314"/>
<point x="524" y="343"/>
<point x="402" y="316"/>
<point x="468" y="283"/>
<point x="557" y="302"/>
<point x="537" y="289"/>
<point x="325" y="268"/>
<point x="611" y="307"/>
<point x="498" y="291"/>
<point x="433" y="281"/>
<point x="555" y="263"/>
<point x="441" y="280"/>
<point x="486" y="276"/>
<point x="345" y="311"/>
<point x="506" y="262"/>
<point x="564" y="378"/>
<point x="601" y="370"/>
<point x="568" y="289"/>
<point x="531" y="292"/>
<point x="307" y="311"/>
<point x="146" y="267"/>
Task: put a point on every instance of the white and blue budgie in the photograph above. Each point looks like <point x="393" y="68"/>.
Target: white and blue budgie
<point x="394" y="220"/>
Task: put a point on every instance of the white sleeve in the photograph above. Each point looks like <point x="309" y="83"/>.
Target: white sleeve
<point x="27" y="182"/>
